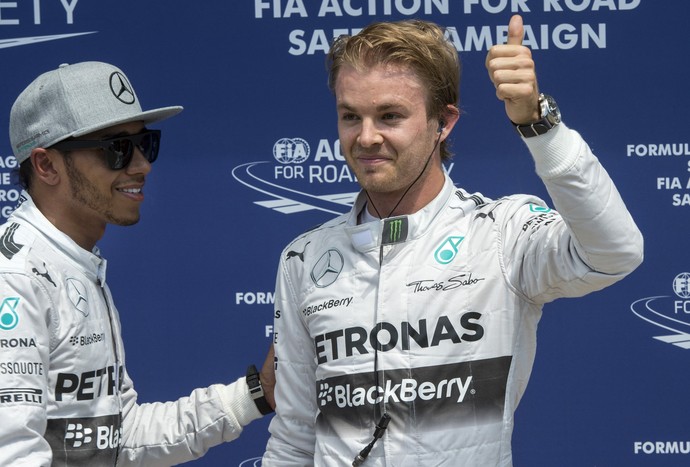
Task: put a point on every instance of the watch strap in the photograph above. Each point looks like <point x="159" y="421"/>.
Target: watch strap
<point x="256" y="391"/>
<point x="549" y="114"/>
<point x="533" y="129"/>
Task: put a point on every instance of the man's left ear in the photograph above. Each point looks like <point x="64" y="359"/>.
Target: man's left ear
<point x="43" y="161"/>
<point x="448" y="118"/>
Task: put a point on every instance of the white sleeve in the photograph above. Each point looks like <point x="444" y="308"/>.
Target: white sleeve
<point x="24" y="392"/>
<point x="584" y="194"/>
<point x="169" y="433"/>
<point x="293" y="438"/>
<point x="592" y="241"/>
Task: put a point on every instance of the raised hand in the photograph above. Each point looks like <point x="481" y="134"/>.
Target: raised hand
<point x="512" y="71"/>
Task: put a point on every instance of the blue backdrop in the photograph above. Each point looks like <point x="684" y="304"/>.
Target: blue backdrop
<point x="254" y="160"/>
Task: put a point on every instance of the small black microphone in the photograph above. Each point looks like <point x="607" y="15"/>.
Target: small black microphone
<point x="378" y="433"/>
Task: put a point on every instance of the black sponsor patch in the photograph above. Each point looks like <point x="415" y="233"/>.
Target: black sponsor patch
<point x="432" y="398"/>
<point x="84" y="441"/>
<point x="394" y="230"/>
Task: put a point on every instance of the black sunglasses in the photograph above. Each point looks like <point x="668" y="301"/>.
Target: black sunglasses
<point x="120" y="150"/>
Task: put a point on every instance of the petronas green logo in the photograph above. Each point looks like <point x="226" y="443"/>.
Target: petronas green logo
<point x="8" y="314"/>
<point x="537" y="208"/>
<point x="446" y="251"/>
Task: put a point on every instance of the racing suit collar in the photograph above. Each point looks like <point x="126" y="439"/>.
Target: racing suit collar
<point x="370" y="235"/>
<point x="90" y="261"/>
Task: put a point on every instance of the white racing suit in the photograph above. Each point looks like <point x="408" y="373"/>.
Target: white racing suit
<point x="432" y="317"/>
<point x="65" y="396"/>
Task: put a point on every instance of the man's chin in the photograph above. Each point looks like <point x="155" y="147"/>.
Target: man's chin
<point x="125" y="221"/>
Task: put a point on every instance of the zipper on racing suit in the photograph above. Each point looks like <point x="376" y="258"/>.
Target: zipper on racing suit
<point x="118" y="367"/>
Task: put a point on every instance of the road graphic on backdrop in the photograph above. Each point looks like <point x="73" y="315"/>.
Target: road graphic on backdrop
<point x="287" y="200"/>
<point x="655" y="311"/>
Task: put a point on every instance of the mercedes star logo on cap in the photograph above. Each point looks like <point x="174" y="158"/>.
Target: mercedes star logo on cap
<point x="121" y="88"/>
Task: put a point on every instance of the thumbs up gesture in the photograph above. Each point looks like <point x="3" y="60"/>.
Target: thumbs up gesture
<point x="512" y="71"/>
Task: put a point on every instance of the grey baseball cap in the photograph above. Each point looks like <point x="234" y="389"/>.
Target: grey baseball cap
<point x="72" y="101"/>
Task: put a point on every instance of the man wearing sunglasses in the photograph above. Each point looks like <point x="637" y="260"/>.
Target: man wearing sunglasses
<point x="80" y="138"/>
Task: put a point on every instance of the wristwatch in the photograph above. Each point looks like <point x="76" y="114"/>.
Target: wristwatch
<point x="256" y="391"/>
<point x="549" y="118"/>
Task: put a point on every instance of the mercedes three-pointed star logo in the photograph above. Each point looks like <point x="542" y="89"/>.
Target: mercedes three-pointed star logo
<point x="76" y="291"/>
<point x="327" y="268"/>
<point x="121" y="88"/>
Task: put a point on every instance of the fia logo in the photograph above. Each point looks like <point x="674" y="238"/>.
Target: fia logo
<point x="681" y="286"/>
<point x="291" y="150"/>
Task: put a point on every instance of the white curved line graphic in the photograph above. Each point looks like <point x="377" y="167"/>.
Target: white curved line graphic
<point x="647" y="301"/>
<point x="253" y="462"/>
<point x="247" y="168"/>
